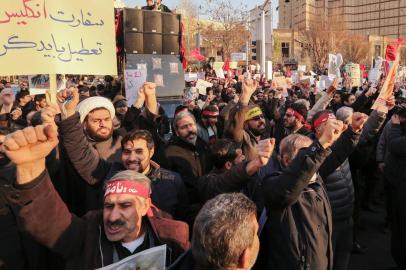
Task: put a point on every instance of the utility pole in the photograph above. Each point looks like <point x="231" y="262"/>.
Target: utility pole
<point x="263" y="36"/>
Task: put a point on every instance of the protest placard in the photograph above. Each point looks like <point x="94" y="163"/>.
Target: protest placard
<point x="134" y="79"/>
<point x="301" y="68"/>
<point x="220" y="73"/>
<point x="201" y="86"/>
<point x="387" y="88"/>
<point x="57" y="36"/>
<point x="334" y="63"/>
<point x="217" y="65"/>
<point x="150" y="259"/>
<point x="39" y="84"/>
<point x="354" y="73"/>
<point x="190" y="77"/>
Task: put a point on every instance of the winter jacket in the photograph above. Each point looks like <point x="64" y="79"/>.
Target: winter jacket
<point x="168" y="191"/>
<point x="191" y="161"/>
<point x="297" y="234"/>
<point x="81" y="241"/>
<point x="381" y="148"/>
<point x="339" y="185"/>
<point x="395" y="162"/>
<point x="18" y="251"/>
<point x="299" y="213"/>
<point x="220" y="181"/>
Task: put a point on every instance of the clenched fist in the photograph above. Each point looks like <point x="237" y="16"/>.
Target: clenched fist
<point x="358" y="121"/>
<point x="28" y="148"/>
<point x="331" y="132"/>
<point x="265" y="149"/>
<point x="68" y="99"/>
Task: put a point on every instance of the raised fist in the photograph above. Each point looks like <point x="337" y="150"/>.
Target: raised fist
<point x="31" y="144"/>
<point x="149" y="88"/>
<point x="331" y="132"/>
<point x="265" y="149"/>
<point x="16" y="114"/>
<point x="358" y="121"/>
<point x="333" y="87"/>
<point x="249" y="86"/>
<point x="68" y="99"/>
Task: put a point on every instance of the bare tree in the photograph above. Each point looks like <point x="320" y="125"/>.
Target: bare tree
<point x="229" y="27"/>
<point x="355" y="49"/>
<point x="403" y="55"/>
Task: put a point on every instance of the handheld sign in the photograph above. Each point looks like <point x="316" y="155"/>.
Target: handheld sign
<point x="57" y="36"/>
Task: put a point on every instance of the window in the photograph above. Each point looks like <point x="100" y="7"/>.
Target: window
<point x="377" y="50"/>
<point x="285" y="49"/>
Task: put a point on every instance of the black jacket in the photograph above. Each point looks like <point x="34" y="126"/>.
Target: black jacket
<point x="191" y="161"/>
<point x="168" y="191"/>
<point x="297" y="234"/>
<point x="395" y="161"/>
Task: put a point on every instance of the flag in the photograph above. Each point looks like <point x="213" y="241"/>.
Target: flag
<point x="182" y="47"/>
<point x="390" y="54"/>
<point x="195" y="55"/>
<point x="387" y="88"/>
<point x="391" y="49"/>
<point x="226" y="65"/>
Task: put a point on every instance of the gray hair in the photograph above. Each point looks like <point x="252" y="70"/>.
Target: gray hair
<point x="180" y="116"/>
<point x="344" y="113"/>
<point x="291" y="144"/>
<point x="304" y="102"/>
<point x="222" y="230"/>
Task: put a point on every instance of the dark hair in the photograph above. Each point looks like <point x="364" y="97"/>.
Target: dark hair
<point x="222" y="151"/>
<point x="83" y="89"/>
<point x="36" y="119"/>
<point x="222" y="230"/>
<point x="39" y="97"/>
<point x="138" y="134"/>
<point x="300" y="108"/>
<point x="22" y="94"/>
<point x="346" y="96"/>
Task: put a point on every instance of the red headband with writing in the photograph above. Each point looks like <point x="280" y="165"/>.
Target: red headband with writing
<point x="324" y="117"/>
<point x="210" y="113"/>
<point x="296" y="114"/>
<point x="123" y="186"/>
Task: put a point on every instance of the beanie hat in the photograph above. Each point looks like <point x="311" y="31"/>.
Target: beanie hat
<point x="91" y="103"/>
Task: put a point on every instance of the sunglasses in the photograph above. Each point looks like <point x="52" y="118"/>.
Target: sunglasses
<point x="257" y="118"/>
<point x="289" y="115"/>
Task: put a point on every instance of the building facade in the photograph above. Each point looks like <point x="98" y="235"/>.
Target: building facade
<point x="380" y="21"/>
<point x="364" y="17"/>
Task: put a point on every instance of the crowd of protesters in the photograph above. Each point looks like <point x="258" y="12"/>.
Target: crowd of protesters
<point x="254" y="176"/>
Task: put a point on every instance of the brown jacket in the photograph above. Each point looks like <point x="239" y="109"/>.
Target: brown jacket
<point x="81" y="241"/>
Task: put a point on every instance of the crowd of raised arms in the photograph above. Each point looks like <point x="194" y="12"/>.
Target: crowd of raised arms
<point x="246" y="176"/>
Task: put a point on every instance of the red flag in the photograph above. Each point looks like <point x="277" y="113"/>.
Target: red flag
<point x="226" y="65"/>
<point x="391" y="49"/>
<point x="195" y="54"/>
<point x="182" y="47"/>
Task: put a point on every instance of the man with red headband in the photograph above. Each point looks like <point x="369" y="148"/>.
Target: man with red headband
<point x="207" y="128"/>
<point x="294" y="121"/>
<point x="125" y="226"/>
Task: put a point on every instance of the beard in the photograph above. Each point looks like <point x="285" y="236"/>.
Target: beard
<point x="98" y="135"/>
<point x="191" y="138"/>
<point x="134" y="166"/>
